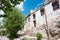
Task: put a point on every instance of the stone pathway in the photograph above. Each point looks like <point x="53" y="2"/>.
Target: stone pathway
<point x="3" y="38"/>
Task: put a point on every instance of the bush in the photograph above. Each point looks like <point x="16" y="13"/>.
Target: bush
<point x="39" y="36"/>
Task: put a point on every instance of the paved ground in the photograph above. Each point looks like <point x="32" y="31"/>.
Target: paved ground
<point x="3" y="38"/>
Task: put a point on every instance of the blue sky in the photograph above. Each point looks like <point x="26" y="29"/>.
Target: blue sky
<point x="28" y="5"/>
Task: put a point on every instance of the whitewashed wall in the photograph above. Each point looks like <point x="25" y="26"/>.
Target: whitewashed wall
<point x="51" y="16"/>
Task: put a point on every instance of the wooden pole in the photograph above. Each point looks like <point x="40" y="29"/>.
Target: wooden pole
<point x="47" y="30"/>
<point x="48" y="34"/>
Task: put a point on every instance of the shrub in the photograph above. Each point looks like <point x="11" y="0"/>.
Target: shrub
<point x="39" y="36"/>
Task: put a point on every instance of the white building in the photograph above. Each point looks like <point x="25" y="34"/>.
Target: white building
<point x="36" y="19"/>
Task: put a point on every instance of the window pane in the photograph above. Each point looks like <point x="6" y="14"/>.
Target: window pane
<point x="55" y="5"/>
<point x="34" y="23"/>
<point x="33" y="16"/>
<point x="42" y="12"/>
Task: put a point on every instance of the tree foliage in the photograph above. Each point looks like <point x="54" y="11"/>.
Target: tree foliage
<point x="6" y="5"/>
<point x="14" y="22"/>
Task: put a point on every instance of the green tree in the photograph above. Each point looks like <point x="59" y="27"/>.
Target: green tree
<point x="14" y="22"/>
<point x="39" y="36"/>
<point x="6" y="5"/>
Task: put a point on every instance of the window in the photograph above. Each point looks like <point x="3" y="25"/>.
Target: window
<point x="34" y="23"/>
<point x="29" y="19"/>
<point x="42" y="11"/>
<point x="33" y="16"/>
<point x="55" y="5"/>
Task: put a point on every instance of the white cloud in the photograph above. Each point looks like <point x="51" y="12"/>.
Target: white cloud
<point x="1" y="12"/>
<point x="20" y="6"/>
<point x="1" y="20"/>
<point x="32" y="11"/>
<point x="24" y="0"/>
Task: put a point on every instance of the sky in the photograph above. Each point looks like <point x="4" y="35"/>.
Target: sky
<point x="1" y="19"/>
<point x="28" y="5"/>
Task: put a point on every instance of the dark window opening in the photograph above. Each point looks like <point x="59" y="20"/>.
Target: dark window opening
<point x="28" y="19"/>
<point x="33" y="16"/>
<point x="42" y="12"/>
<point x="55" y="5"/>
<point x="34" y="23"/>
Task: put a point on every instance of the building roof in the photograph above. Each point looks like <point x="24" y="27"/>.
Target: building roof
<point x="33" y="12"/>
<point x="48" y="1"/>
